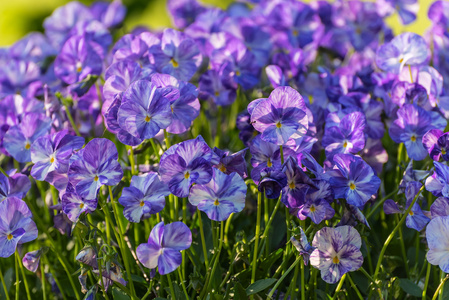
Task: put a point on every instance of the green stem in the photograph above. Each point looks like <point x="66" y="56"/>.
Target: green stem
<point x="181" y="278"/>
<point x="339" y="286"/>
<point x="424" y="292"/>
<point x="404" y="254"/>
<point x="256" y="245"/>
<point x="19" y="261"/>
<point x="124" y="247"/>
<point x="3" y="172"/>
<point x="266" y="219"/>
<point x="217" y="255"/>
<point x="439" y="288"/>
<point x="355" y="287"/>
<point x="52" y="272"/>
<point x="4" y="286"/>
<point x="303" y="286"/>
<point x="69" y="116"/>
<point x="273" y="290"/>
<point x="294" y="282"/>
<point x="69" y="275"/>
<point x="203" y="240"/>
<point x="390" y="237"/>
<point x="372" y="281"/>
<point x="167" y="140"/>
<point x="218" y="133"/>
<point x="17" y="279"/>
<point x="267" y="227"/>
<point x="170" y="284"/>
<point x="131" y="160"/>
<point x="155" y="149"/>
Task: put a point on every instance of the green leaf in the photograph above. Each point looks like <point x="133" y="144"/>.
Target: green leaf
<point x="239" y="292"/>
<point x="410" y="287"/>
<point x="139" y="279"/>
<point x="119" y="294"/>
<point x="259" y="286"/>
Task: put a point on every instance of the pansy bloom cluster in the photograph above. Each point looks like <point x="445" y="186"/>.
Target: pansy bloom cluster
<point x="266" y="150"/>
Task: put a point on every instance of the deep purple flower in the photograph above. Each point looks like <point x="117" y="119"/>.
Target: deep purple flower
<point x="16" y="225"/>
<point x="440" y="207"/>
<point x="31" y="260"/>
<point x="272" y="182"/>
<point x="337" y="252"/>
<point x="281" y="116"/>
<point x="93" y="166"/>
<point x="405" y="49"/>
<point x="222" y="195"/>
<point x="353" y="179"/>
<point x="436" y="143"/>
<point x="164" y="245"/>
<point x="110" y="14"/>
<point x="230" y="163"/>
<point x="144" y="110"/>
<point x="216" y="86"/>
<point x="19" y="77"/>
<point x="406" y="9"/>
<point x="52" y="153"/>
<point x="184" y="12"/>
<point x="73" y="205"/>
<point x="347" y="137"/>
<point x="437" y="234"/>
<point x="275" y="76"/>
<point x="410" y="126"/>
<point x="184" y="164"/>
<point x="19" y="138"/>
<point x="145" y="196"/>
<point x="298" y="184"/>
<point x="178" y="55"/>
<point x="317" y="210"/>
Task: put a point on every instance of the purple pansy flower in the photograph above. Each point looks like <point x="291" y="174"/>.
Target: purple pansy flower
<point x="440" y="207"/>
<point x="52" y="153"/>
<point x="184" y="108"/>
<point x="406" y="9"/>
<point x="184" y="164"/>
<point x="178" y="55"/>
<point x="77" y="60"/>
<point x="272" y="182"/>
<point x="73" y="205"/>
<point x="411" y="125"/>
<point x="347" y="137"/>
<point x="216" y="86"/>
<point x="164" y="245"/>
<point x="93" y="166"/>
<point x="145" y="196"/>
<point x="416" y="218"/>
<point x="353" y="179"/>
<point x="405" y="49"/>
<point x="337" y="252"/>
<point x="298" y="184"/>
<point x="222" y="195"/>
<point x="437" y="234"/>
<point x="144" y="110"/>
<point x="436" y="143"/>
<point x="16" y="185"/>
<point x="229" y="163"/>
<point x="110" y="14"/>
<point x="31" y="260"/>
<point x="16" y="225"/>
<point x="281" y="116"/>
<point x="438" y="183"/>
<point x="18" y="139"/>
<point x="317" y="210"/>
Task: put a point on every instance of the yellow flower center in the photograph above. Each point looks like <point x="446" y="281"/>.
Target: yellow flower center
<point x="413" y="138"/>
<point x="147" y="119"/>
<point x="171" y="107"/>
<point x="295" y="32"/>
<point x="142" y="203"/>
<point x="96" y="178"/>
<point x="335" y="260"/>
<point x="269" y="163"/>
<point x="216" y="203"/>
<point x="222" y="168"/>
<point x="174" y="63"/>
<point x="443" y="151"/>
<point x="278" y="125"/>
<point x="79" y="67"/>
<point x="187" y="175"/>
<point x="9" y="237"/>
<point x="217" y="93"/>
<point x="345" y="144"/>
<point x="27" y="145"/>
<point x="401" y="60"/>
<point x="312" y="208"/>
<point x="411" y="213"/>
<point x="237" y="73"/>
<point x="81" y="205"/>
<point x="352" y="186"/>
<point x="52" y="160"/>
<point x="291" y="185"/>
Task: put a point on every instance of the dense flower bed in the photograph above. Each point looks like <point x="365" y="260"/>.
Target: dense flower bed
<point x="272" y="150"/>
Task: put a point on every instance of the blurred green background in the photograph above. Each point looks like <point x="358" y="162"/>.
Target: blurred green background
<point x="18" y="17"/>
